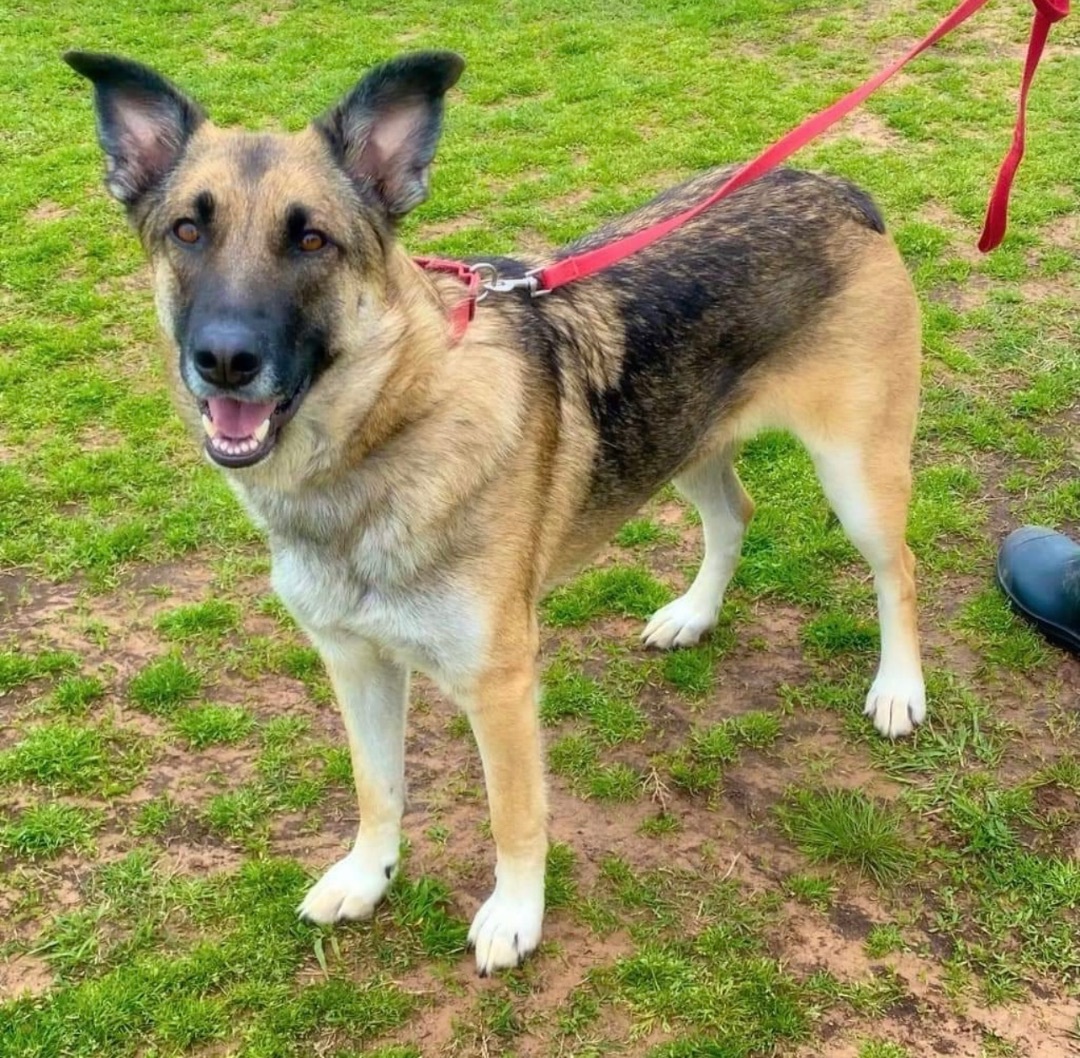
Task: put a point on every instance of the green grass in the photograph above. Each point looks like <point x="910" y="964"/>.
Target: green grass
<point x="18" y="668"/>
<point x="164" y="685"/>
<point x="75" y="694"/>
<point x="847" y="827"/>
<point x="155" y="810"/>
<point x="74" y="758"/>
<point x="698" y="766"/>
<point x="45" y="830"/>
<point x="624" y="591"/>
<point x="212" y="618"/>
<point x="210" y="725"/>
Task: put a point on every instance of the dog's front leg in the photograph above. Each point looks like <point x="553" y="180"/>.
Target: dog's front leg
<point x="372" y="692"/>
<point x="502" y="709"/>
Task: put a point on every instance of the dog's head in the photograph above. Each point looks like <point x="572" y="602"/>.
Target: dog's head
<point x="265" y="247"/>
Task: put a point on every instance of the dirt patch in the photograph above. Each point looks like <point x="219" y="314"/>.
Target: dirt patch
<point x="441" y="228"/>
<point x="925" y="1021"/>
<point x="870" y="130"/>
<point x="47" y="210"/>
<point x="23" y="975"/>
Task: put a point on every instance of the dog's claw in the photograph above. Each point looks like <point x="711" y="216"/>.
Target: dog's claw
<point x="897" y="704"/>
<point x="681" y="623"/>
<point x="351" y="889"/>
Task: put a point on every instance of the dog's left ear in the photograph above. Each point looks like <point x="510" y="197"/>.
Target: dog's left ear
<point x="384" y="132"/>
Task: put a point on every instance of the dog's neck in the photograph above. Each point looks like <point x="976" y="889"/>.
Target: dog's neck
<point x="362" y="476"/>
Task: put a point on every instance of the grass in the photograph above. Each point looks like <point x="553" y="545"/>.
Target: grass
<point x="172" y="770"/>
<point x="211" y="725"/>
<point x="45" y="830"/>
<point x="75" y="758"/>
<point x="163" y="685"/>
<point x="847" y="827"/>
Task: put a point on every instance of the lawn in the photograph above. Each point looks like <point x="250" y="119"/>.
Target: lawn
<point x="740" y="866"/>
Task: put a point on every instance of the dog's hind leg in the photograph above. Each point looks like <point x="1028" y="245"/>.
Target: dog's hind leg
<point x="713" y="487"/>
<point x="372" y="691"/>
<point x="868" y="485"/>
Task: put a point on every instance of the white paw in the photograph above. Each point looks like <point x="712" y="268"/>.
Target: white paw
<point x="350" y="889"/>
<point x="507" y="927"/>
<point x="679" y="624"/>
<point x="897" y="704"/>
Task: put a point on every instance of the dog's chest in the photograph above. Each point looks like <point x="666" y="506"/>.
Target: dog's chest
<point x="433" y="625"/>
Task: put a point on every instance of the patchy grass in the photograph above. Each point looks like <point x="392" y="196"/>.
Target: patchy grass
<point x="75" y="758"/>
<point x="164" y="685"/>
<point x="847" y="827"/>
<point x="45" y="830"/>
<point x="210" y="725"/>
<point x="172" y="770"/>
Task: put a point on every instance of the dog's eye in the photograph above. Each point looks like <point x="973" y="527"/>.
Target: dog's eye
<point x="187" y="231"/>
<point x="312" y="240"/>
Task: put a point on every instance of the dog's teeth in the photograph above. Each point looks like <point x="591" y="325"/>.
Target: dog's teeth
<point x="262" y="430"/>
<point x="209" y="427"/>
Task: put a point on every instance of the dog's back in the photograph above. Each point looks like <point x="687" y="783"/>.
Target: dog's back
<point x="702" y="338"/>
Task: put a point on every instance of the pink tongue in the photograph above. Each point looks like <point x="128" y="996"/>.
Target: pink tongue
<point x="238" y="418"/>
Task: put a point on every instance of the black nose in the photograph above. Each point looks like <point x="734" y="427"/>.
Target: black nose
<point x="224" y="354"/>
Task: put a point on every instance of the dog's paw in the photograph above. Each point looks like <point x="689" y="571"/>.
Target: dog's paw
<point x="679" y="624"/>
<point x="897" y="704"/>
<point x="508" y="926"/>
<point x="350" y="889"/>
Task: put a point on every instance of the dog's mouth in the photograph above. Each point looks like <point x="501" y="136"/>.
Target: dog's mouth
<point x="241" y="433"/>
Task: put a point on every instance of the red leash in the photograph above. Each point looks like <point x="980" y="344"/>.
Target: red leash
<point x="1047" y="12"/>
<point x="544" y="280"/>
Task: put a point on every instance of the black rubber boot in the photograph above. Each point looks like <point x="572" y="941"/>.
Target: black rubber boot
<point x="1039" y="570"/>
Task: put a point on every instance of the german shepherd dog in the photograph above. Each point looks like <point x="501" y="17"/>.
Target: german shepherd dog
<point x="421" y="491"/>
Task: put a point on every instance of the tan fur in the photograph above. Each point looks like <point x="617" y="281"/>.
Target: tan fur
<point x="428" y="492"/>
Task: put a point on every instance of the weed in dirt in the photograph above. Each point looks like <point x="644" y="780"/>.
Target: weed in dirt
<point x="883" y="939"/>
<point x="690" y="671"/>
<point x="74" y="695"/>
<point x="846" y="826"/>
<point x="1004" y="638"/>
<point x="337" y="766"/>
<point x="574" y="757"/>
<point x="882" y="1049"/>
<point x="624" y="591"/>
<point x="698" y="766"/>
<point x="609" y="707"/>
<point x="76" y="758"/>
<point x="718" y="990"/>
<point x="236" y="813"/>
<point x="836" y="633"/>
<point x="212" y="618"/>
<point x="811" y="890"/>
<point x="641" y="532"/>
<point x="18" y="668"/>
<point x="211" y="725"/>
<point x="560" y="887"/>
<point x="425" y="925"/>
<point x="164" y="685"/>
<point x="659" y="826"/>
<point x="615" y="782"/>
<point x="43" y="831"/>
<point x="154" y="817"/>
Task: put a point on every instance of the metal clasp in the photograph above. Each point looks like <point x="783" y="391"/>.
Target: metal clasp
<point x="492" y="284"/>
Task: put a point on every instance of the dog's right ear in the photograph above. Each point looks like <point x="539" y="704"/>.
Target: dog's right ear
<point x="143" y="121"/>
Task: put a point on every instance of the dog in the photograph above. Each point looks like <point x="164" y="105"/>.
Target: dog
<point x="421" y="490"/>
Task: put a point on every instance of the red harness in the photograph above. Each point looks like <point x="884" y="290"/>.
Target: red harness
<point x="482" y="279"/>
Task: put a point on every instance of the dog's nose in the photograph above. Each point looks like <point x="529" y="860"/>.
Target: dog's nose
<point x="225" y="354"/>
